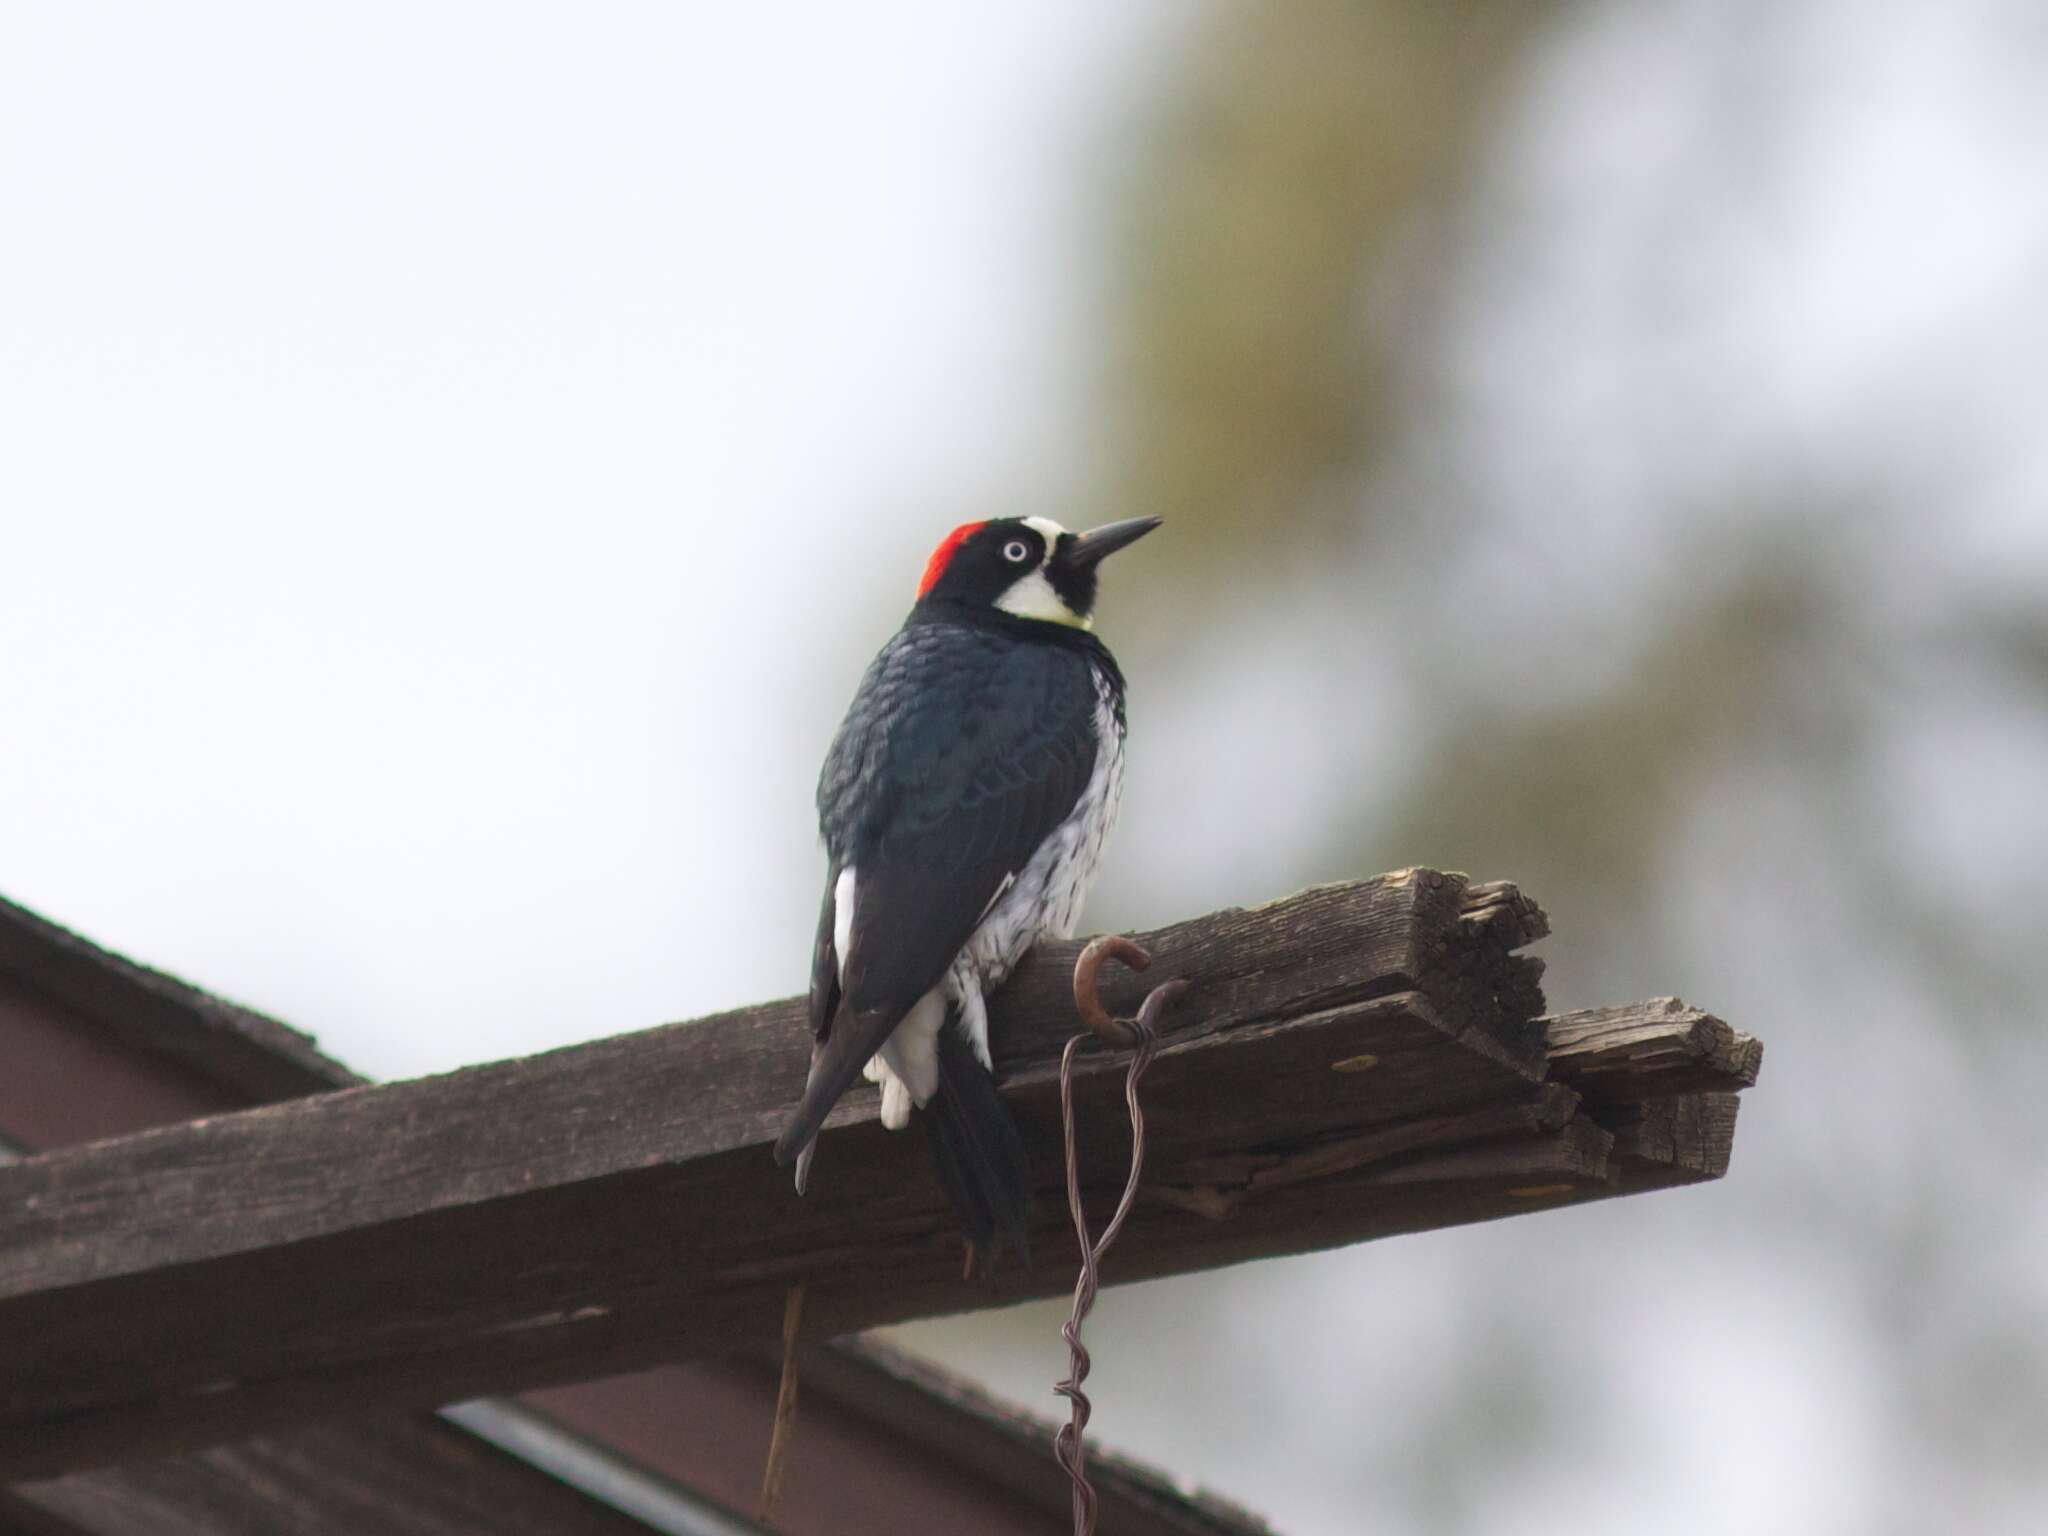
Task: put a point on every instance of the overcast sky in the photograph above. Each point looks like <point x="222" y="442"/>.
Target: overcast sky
<point x="437" y="438"/>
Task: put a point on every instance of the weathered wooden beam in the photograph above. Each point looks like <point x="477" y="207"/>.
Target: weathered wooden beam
<point x="1611" y="1054"/>
<point x="627" y="1443"/>
<point x="1682" y="1140"/>
<point x="602" y="1207"/>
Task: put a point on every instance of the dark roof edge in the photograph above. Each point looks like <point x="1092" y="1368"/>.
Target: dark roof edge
<point x="951" y="1417"/>
<point x="163" y="1016"/>
<point x="593" y="1470"/>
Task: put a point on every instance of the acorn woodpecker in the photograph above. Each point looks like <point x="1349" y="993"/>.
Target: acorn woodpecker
<point x="964" y="803"/>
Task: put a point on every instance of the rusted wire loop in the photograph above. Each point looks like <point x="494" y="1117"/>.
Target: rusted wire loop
<point x="1141" y="1035"/>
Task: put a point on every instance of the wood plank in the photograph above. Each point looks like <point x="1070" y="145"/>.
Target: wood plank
<point x="1636" y="1050"/>
<point x="596" y="1209"/>
<point x="74" y="1081"/>
<point x="1670" y="1141"/>
<point x="555" y="1219"/>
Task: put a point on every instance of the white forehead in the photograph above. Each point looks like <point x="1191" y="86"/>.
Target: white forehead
<point x="1046" y="529"/>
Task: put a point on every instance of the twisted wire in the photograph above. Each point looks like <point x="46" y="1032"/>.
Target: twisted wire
<point x="1069" y="1445"/>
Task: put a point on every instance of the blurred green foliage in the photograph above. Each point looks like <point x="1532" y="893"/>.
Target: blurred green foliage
<point x="1304" y="137"/>
<point x="1701" y="786"/>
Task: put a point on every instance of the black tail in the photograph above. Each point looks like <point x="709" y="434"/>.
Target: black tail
<point x="979" y="1154"/>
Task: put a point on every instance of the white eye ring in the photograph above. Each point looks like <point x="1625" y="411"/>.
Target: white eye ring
<point x="1016" y="552"/>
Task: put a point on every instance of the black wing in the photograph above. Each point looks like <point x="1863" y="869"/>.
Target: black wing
<point x="825" y="963"/>
<point x="963" y="750"/>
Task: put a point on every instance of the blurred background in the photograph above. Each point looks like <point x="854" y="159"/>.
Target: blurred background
<point x="455" y="462"/>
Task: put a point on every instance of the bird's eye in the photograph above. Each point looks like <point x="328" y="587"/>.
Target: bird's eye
<point x="1016" y="552"/>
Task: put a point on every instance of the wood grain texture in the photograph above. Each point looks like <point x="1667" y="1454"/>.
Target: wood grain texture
<point x="598" y="1208"/>
<point x="1636" y="1050"/>
<point x="1352" y="1062"/>
<point x="72" y="1079"/>
<point x="1663" y="1142"/>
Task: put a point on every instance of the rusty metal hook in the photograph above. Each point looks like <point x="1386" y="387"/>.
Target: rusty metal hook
<point x="1119" y="1034"/>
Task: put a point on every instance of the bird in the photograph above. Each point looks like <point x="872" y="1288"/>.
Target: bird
<point x="964" y="803"/>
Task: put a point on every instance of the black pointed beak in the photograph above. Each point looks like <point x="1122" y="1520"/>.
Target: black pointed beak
<point x="1098" y="544"/>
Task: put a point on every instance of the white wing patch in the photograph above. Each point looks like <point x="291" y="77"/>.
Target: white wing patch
<point x="843" y="890"/>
